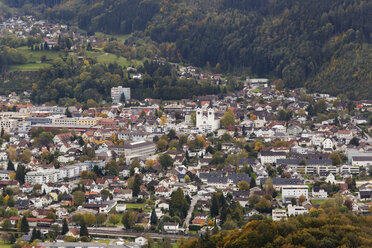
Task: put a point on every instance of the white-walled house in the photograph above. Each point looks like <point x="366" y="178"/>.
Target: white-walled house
<point x="327" y="143"/>
<point x="319" y="193"/>
<point x="296" y="210"/>
<point x="171" y="227"/>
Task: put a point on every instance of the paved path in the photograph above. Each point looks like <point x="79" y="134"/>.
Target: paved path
<point x="194" y="200"/>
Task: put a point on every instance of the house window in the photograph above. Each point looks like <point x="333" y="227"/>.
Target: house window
<point x="198" y="113"/>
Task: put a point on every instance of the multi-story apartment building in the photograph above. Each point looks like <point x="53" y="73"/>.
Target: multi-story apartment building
<point x="294" y="191"/>
<point x="116" y="93"/>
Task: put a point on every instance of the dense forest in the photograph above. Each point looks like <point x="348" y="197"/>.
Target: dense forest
<point x="315" y="230"/>
<point x="304" y="42"/>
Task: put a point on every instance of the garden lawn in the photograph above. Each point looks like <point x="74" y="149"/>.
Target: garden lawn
<point x="5" y="245"/>
<point x="318" y="201"/>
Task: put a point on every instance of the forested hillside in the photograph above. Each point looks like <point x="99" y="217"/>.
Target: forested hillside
<point x="323" y="44"/>
<point x="314" y="231"/>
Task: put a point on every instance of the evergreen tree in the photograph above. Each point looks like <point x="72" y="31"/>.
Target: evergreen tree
<point x="65" y="228"/>
<point x="214" y="206"/>
<point x="10" y="166"/>
<point x="224" y="213"/>
<point x="39" y="235"/>
<point x="68" y="113"/>
<point x="33" y="235"/>
<point x="25" y="228"/>
<point x="136" y="185"/>
<point x="154" y="218"/>
<point x="83" y="229"/>
<point x="252" y="184"/>
<point x="20" y="174"/>
<point x="12" y="239"/>
<point x="122" y="98"/>
<point x="222" y="200"/>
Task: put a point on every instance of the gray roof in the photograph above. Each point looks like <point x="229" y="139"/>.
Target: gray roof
<point x="360" y="158"/>
<point x="239" y="177"/>
<point x="283" y="181"/>
<point x="296" y="161"/>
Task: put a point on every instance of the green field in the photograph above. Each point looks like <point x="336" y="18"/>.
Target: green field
<point x="33" y="59"/>
<point x="106" y="58"/>
<point x="136" y="205"/>
<point x="5" y="245"/>
<point x="29" y="67"/>
<point x="121" y="37"/>
<point x="35" y="56"/>
<point x="318" y="201"/>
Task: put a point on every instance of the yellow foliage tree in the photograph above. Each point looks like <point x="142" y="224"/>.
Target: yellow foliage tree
<point x="12" y="154"/>
<point x="163" y="120"/>
<point x="258" y="145"/>
<point x="12" y="175"/>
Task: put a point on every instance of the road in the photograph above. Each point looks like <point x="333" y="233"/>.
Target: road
<point x="117" y="232"/>
<point x="368" y="139"/>
<point x="194" y="200"/>
<point x="127" y="234"/>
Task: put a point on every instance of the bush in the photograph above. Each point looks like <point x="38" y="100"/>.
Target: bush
<point x="194" y="227"/>
<point x="138" y="228"/>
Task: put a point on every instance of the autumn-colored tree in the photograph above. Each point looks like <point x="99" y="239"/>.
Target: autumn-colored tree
<point x="163" y="120"/>
<point x="79" y="198"/>
<point x="336" y="158"/>
<point x="129" y="219"/>
<point x="243" y="185"/>
<point x="162" y="144"/>
<point x="301" y="199"/>
<point x="12" y="154"/>
<point x="258" y="146"/>
<point x="114" y="219"/>
<point x="228" y="119"/>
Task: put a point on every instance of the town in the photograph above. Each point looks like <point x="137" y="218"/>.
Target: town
<point x="180" y="168"/>
<point x="139" y="172"/>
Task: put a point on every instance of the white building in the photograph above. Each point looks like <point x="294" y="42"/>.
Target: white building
<point x="8" y="124"/>
<point x="319" y="193"/>
<point x="279" y="214"/>
<point x="136" y="149"/>
<point x="364" y="161"/>
<point x="349" y="169"/>
<point x="171" y="227"/>
<point x="4" y="174"/>
<point x="294" y="191"/>
<point x="116" y="93"/>
<point x="206" y="120"/>
<point x="270" y="157"/>
<point x="140" y="240"/>
<point x="327" y="143"/>
<point x="70" y="171"/>
<point x="41" y="176"/>
<point x="296" y="210"/>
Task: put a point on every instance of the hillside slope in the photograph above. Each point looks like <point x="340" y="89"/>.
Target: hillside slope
<point x="345" y="230"/>
<point x="300" y="41"/>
